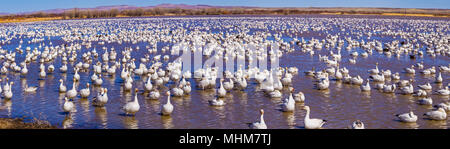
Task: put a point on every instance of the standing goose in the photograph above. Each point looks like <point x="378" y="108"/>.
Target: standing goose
<point x="63" y="68"/>
<point x="312" y="123"/>
<point x="167" y="108"/>
<point x="132" y="107"/>
<point x="85" y="92"/>
<point x="438" y="78"/>
<point x="148" y="85"/>
<point x="187" y="88"/>
<point x="299" y="97"/>
<point x="258" y="125"/>
<point x="154" y="94"/>
<point x="102" y="98"/>
<point x="407" y="117"/>
<point x="73" y="92"/>
<point x="76" y="76"/>
<point x="221" y="92"/>
<point x="8" y="93"/>
<point x="288" y="104"/>
<point x="68" y="105"/>
<point x="62" y="87"/>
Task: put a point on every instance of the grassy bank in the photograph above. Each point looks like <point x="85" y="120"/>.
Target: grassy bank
<point x="17" y="123"/>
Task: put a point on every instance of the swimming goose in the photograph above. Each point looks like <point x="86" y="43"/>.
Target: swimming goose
<point x="63" y="68"/>
<point x="312" y="123"/>
<point x="374" y="71"/>
<point x="167" y="108"/>
<point x="378" y="78"/>
<point x="410" y="70"/>
<point x="407" y="117"/>
<point x="389" y="88"/>
<point x="358" y="124"/>
<point x="357" y="80"/>
<point x="439" y="114"/>
<point x="299" y="97"/>
<point x="24" y="70"/>
<point x="178" y="91"/>
<point x="443" y="92"/>
<point x="62" y="87"/>
<point x="187" y="88"/>
<point x="68" y="105"/>
<point x="275" y="94"/>
<point x="366" y="87"/>
<point x="445" y="106"/>
<point x="425" y="86"/>
<point x="407" y="89"/>
<point x="258" y="125"/>
<point x="420" y="93"/>
<point x="73" y="92"/>
<point x="228" y="85"/>
<point x="99" y="80"/>
<point x="425" y="101"/>
<point x="216" y="102"/>
<point x="132" y="107"/>
<point x="154" y="94"/>
<point x="30" y="89"/>
<point x="84" y="93"/>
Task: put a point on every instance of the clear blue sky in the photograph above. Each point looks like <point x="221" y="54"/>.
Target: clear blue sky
<point x="17" y="6"/>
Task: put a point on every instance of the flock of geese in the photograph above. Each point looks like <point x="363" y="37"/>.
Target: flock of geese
<point x="158" y="67"/>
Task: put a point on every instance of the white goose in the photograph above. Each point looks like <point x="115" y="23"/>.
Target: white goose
<point x="73" y="92"/>
<point x="68" y="105"/>
<point x="425" y="101"/>
<point x="439" y="114"/>
<point x="299" y="97"/>
<point x="178" y="91"/>
<point x="154" y="94"/>
<point x="102" y="97"/>
<point x="366" y="87"/>
<point x="407" y="117"/>
<point x="438" y="78"/>
<point x="216" y="102"/>
<point x="358" y="124"/>
<point x="8" y="93"/>
<point x="312" y="123"/>
<point x="288" y="104"/>
<point x="425" y="86"/>
<point x="84" y="93"/>
<point x="258" y="125"/>
<point x="374" y="71"/>
<point x="62" y="87"/>
<point x="148" y="85"/>
<point x="132" y="107"/>
<point x="221" y="92"/>
<point x="167" y="108"/>
<point x="30" y="88"/>
<point x="443" y="92"/>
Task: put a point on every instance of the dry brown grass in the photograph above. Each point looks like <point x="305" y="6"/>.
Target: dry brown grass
<point x="17" y="123"/>
<point x="15" y="20"/>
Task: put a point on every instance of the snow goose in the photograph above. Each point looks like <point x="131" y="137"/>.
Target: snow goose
<point x="84" y="93"/>
<point x="425" y="86"/>
<point x="228" y="85"/>
<point x="374" y="71"/>
<point x="312" y="123"/>
<point x="73" y="92"/>
<point x="358" y="124"/>
<point x="102" y="98"/>
<point x="167" y="108"/>
<point x="216" y="102"/>
<point x="8" y="93"/>
<point x="148" y="85"/>
<point x="133" y="106"/>
<point x="443" y="92"/>
<point x="178" y="91"/>
<point x="275" y="94"/>
<point x="299" y="97"/>
<point x="439" y="114"/>
<point x="187" y="88"/>
<point x="221" y="92"/>
<point x="425" y="101"/>
<point x="438" y="78"/>
<point x="154" y="94"/>
<point x="30" y="88"/>
<point x="62" y="87"/>
<point x="407" y="117"/>
<point x="366" y="87"/>
<point x="288" y="104"/>
<point x="68" y="105"/>
<point x="258" y="125"/>
<point x="445" y="106"/>
<point x="76" y="76"/>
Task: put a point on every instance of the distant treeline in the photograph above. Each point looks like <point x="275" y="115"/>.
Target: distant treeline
<point x="92" y="13"/>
